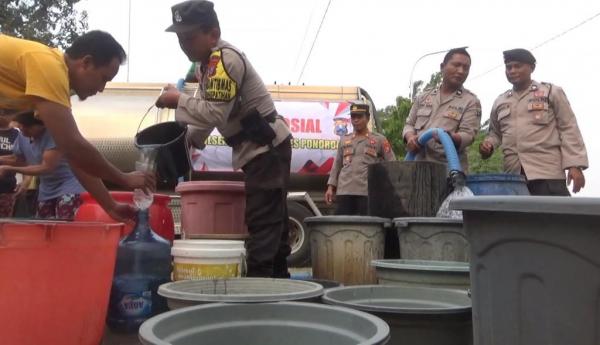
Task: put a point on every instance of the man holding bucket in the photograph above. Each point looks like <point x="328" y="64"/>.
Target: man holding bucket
<point x="537" y="130"/>
<point x="234" y="99"/>
<point x="39" y="78"/>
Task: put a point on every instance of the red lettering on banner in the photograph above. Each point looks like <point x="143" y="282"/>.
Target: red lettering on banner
<point x="304" y="125"/>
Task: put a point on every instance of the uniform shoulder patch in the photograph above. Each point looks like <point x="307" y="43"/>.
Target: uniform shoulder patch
<point x="386" y="146"/>
<point x="220" y="86"/>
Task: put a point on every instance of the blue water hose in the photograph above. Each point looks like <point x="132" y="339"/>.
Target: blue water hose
<point x="447" y="143"/>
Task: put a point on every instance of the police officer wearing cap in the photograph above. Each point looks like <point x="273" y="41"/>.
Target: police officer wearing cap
<point x="535" y="127"/>
<point x="348" y="176"/>
<point x="233" y="98"/>
<point x="450" y="107"/>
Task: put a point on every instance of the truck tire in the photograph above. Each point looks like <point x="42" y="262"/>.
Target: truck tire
<point x="298" y="238"/>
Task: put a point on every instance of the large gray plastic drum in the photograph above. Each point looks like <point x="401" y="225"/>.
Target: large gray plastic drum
<point x="535" y="268"/>
<point x="427" y="273"/>
<point x="342" y="247"/>
<point x="416" y="315"/>
<point x="432" y="238"/>
<point x="185" y="293"/>
<point x="290" y="323"/>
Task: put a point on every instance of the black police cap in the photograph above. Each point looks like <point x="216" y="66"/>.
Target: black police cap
<point x="519" y="55"/>
<point x="359" y="109"/>
<point x="193" y="14"/>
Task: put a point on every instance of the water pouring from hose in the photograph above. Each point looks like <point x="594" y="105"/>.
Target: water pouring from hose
<point x="456" y="176"/>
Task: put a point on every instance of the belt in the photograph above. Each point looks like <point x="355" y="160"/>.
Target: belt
<point x="242" y="136"/>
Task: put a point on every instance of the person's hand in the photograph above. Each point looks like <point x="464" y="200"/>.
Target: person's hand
<point x="486" y="149"/>
<point x="122" y="212"/>
<point x="20" y="189"/>
<point x="145" y="181"/>
<point x="412" y="142"/>
<point x="169" y="98"/>
<point x="329" y="195"/>
<point x="575" y="175"/>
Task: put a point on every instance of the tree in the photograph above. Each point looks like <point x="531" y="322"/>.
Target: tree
<point x="394" y="118"/>
<point x="477" y="165"/>
<point x="53" y="22"/>
<point x="435" y="80"/>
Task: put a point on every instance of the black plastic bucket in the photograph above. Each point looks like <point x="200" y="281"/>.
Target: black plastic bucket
<point x="172" y="156"/>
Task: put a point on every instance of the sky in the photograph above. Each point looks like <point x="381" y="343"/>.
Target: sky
<point x="375" y="45"/>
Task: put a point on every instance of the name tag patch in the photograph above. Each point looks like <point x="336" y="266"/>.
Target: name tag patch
<point x="220" y="87"/>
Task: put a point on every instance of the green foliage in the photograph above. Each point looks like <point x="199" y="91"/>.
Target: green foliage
<point x="416" y="89"/>
<point x="435" y="80"/>
<point x="52" y="22"/>
<point x="477" y="165"/>
<point x="394" y="118"/>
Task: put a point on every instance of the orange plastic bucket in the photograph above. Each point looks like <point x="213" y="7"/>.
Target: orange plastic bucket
<point x="56" y="279"/>
<point x="161" y="217"/>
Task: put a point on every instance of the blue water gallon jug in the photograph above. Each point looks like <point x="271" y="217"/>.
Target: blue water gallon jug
<point x="143" y="264"/>
<point x="497" y="184"/>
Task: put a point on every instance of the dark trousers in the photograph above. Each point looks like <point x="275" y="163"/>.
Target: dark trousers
<point x="548" y="187"/>
<point x="26" y="205"/>
<point x="353" y="205"/>
<point x="267" y="178"/>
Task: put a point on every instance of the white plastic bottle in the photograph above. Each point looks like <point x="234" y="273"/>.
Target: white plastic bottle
<point x="144" y="164"/>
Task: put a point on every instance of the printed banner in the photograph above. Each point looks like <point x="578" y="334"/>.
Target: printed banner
<point x="316" y="127"/>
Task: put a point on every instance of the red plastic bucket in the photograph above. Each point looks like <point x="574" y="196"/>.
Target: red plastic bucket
<point x="212" y="208"/>
<point x="56" y="279"/>
<point x="161" y="217"/>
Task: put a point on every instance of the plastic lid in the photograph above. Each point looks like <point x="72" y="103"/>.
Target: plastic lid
<point x="241" y="290"/>
<point x="220" y="186"/>
<point x="400" y="299"/>
<point x="495" y="178"/>
<point x="422" y="265"/>
<point x="207" y="248"/>
<point x="123" y="196"/>
<point x="529" y="204"/>
<point x="405" y="221"/>
<point x="348" y="219"/>
<point x="225" y="244"/>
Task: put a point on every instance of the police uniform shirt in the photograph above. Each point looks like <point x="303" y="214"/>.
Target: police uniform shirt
<point x="229" y="88"/>
<point x="459" y="113"/>
<point x="537" y="131"/>
<point x="355" y="153"/>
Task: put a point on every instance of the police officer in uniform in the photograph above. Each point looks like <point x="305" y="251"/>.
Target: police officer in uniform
<point x="234" y="99"/>
<point x="449" y="107"/>
<point x="536" y="128"/>
<point x="348" y="177"/>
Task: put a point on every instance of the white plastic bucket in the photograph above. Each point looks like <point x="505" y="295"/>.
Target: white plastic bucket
<point x="208" y="259"/>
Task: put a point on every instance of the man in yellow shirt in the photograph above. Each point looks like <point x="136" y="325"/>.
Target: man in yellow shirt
<point x="36" y="77"/>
